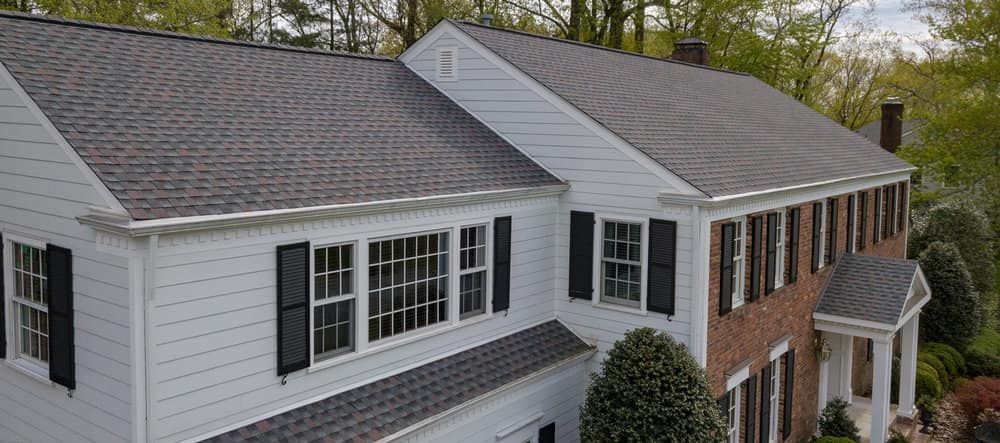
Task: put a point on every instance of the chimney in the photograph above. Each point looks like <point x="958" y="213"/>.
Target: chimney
<point x="691" y="50"/>
<point x="486" y="19"/>
<point x="891" y="134"/>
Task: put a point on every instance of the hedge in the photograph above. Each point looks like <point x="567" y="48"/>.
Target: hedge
<point x="952" y="359"/>
<point x="928" y="383"/>
<point x="939" y="367"/>
<point x="982" y="355"/>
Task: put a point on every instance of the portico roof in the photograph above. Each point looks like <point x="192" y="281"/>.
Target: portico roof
<point x="876" y="293"/>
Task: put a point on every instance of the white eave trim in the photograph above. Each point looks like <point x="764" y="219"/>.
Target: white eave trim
<point x="847" y="321"/>
<point x="726" y="200"/>
<point x="132" y="228"/>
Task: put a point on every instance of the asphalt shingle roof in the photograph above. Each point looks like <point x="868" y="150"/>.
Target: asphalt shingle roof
<point x="389" y="405"/>
<point x="176" y="125"/>
<point x="725" y="133"/>
<point x="868" y="288"/>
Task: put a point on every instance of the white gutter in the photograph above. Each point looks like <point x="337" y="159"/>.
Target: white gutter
<point x="138" y="228"/>
<point x="680" y="199"/>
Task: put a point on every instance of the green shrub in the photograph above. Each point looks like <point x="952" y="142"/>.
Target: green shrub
<point x="896" y="437"/>
<point x="982" y="356"/>
<point x="928" y="384"/>
<point x="649" y="387"/>
<point x="829" y="439"/>
<point x="953" y="314"/>
<point x="939" y="367"/>
<point x="948" y="355"/>
<point x="964" y="226"/>
<point x="835" y="422"/>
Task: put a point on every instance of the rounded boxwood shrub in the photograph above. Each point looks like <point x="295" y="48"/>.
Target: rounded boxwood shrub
<point x="953" y="314"/>
<point x="982" y="356"/>
<point x="952" y="359"/>
<point x="939" y="367"/>
<point x="928" y="384"/>
<point x="650" y="389"/>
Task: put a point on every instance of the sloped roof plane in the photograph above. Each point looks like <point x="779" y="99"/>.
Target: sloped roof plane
<point x="723" y="132"/>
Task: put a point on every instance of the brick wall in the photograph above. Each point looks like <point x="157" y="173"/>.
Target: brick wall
<point x="746" y="332"/>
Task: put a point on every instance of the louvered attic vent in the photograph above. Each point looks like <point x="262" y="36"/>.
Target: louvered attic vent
<point x="446" y="63"/>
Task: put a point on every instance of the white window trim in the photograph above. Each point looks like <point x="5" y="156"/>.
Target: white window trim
<point x="739" y="272"/>
<point x="822" y="233"/>
<point x="26" y="366"/>
<point x="598" y="254"/>
<point x="774" y="399"/>
<point x="735" y="398"/>
<point x="313" y="303"/>
<point x="487" y="267"/>
<point x="779" y="249"/>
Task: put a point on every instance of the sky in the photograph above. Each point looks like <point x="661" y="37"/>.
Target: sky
<point x="892" y="17"/>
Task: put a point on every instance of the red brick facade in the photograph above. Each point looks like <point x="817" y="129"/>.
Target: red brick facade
<point x="745" y="333"/>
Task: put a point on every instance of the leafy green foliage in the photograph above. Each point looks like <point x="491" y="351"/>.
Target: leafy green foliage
<point x="953" y="315"/>
<point x="939" y="367"/>
<point x="829" y="439"/>
<point x="949" y="356"/>
<point x="964" y="226"/>
<point x="928" y="384"/>
<point x="649" y="389"/>
<point x="982" y="355"/>
<point x="835" y="422"/>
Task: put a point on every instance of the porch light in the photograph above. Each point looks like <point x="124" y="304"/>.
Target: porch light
<point x="823" y="350"/>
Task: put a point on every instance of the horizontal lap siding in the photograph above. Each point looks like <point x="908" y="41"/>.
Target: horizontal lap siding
<point x="213" y="316"/>
<point x="41" y="193"/>
<point x="603" y="180"/>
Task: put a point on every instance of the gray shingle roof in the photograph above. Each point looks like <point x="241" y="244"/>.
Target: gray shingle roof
<point x="389" y="405"/>
<point x="725" y="133"/>
<point x="868" y="288"/>
<point x="180" y="126"/>
<point x="873" y="130"/>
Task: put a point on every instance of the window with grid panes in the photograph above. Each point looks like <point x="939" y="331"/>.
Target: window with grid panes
<point x="30" y="306"/>
<point x="621" y="263"/>
<point x="472" y="275"/>
<point x="407" y="284"/>
<point x="333" y="301"/>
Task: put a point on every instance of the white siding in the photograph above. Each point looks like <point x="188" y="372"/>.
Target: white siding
<point x="212" y="316"/>
<point x="41" y="192"/>
<point x="603" y="178"/>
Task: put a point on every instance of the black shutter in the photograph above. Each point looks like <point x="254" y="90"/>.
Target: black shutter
<point x="293" y="307"/>
<point x="581" y="254"/>
<point x="501" y="263"/>
<point x="772" y="250"/>
<point x="62" y="360"/>
<point x="786" y="421"/>
<point x="758" y="227"/>
<point x="547" y="433"/>
<point x="751" y="401"/>
<point x="852" y="213"/>
<point x="876" y="233"/>
<point x="793" y="246"/>
<point x="726" y="269"/>
<point x="3" y="303"/>
<point x="831" y="252"/>
<point x="661" y="275"/>
<point x="816" y="237"/>
<point x="765" y="403"/>
<point x="863" y="226"/>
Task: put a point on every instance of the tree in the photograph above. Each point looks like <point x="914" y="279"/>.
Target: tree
<point x="953" y="315"/>
<point x="650" y="389"/>
<point x="964" y="226"/>
<point x="835" y="422"/>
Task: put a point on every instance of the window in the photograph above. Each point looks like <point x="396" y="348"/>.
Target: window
<point x="407" y="284"/>
<point x="733" y="415"/>
<point x="775" y="384"/>
<point x="895" y="210"/>
<point x="30" y="313"/>
<point x="333" y="301"/>
<point x="621" y="263"/>
<point x="739" y="251"/>
<point x="472" y="278"/>
<point x="779" y="249"/>
<point x="822" y="234"/>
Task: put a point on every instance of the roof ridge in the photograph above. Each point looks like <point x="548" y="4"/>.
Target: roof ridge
<point x="57" y="20"/>
<point x="605" y="48"/>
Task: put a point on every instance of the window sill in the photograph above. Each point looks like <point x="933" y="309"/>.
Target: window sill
<point x="620" y="308"/>
<point x="30" y="370"/>
<point x="396" y="342"/>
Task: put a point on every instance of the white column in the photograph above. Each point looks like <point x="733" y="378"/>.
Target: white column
<point x="847" y="368"/>
<point x="908" y="367"/>
<point x="881" y="385"/>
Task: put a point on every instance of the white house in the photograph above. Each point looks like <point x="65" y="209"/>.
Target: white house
<point x="219" y="240"/>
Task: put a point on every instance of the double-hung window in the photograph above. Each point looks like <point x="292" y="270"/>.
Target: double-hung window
<point x="733" y="415"/>
<point x="774" y="385"/>
<point x="822" y="234"/>
<point x="407" y="284"/>
<point x="621" y="262"/>
<point x="779" y="249"/>
<point x="333" y="301"/>
<point x="472" y="276"/>
<point x="30" y="307"/>
<point x="739" y="251"/>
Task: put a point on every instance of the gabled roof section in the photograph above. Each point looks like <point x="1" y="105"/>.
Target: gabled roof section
<point x="179" y="126"/>
<point x="380" y="409"/>
<point x="877" y="290"/>
<point x="726" y="133"/>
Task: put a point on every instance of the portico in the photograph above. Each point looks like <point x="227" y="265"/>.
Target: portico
<point x="879" y="299"/>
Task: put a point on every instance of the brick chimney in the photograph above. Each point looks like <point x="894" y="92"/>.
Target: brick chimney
<point x="691" y="50"/>
<point x="891" y="134"/>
